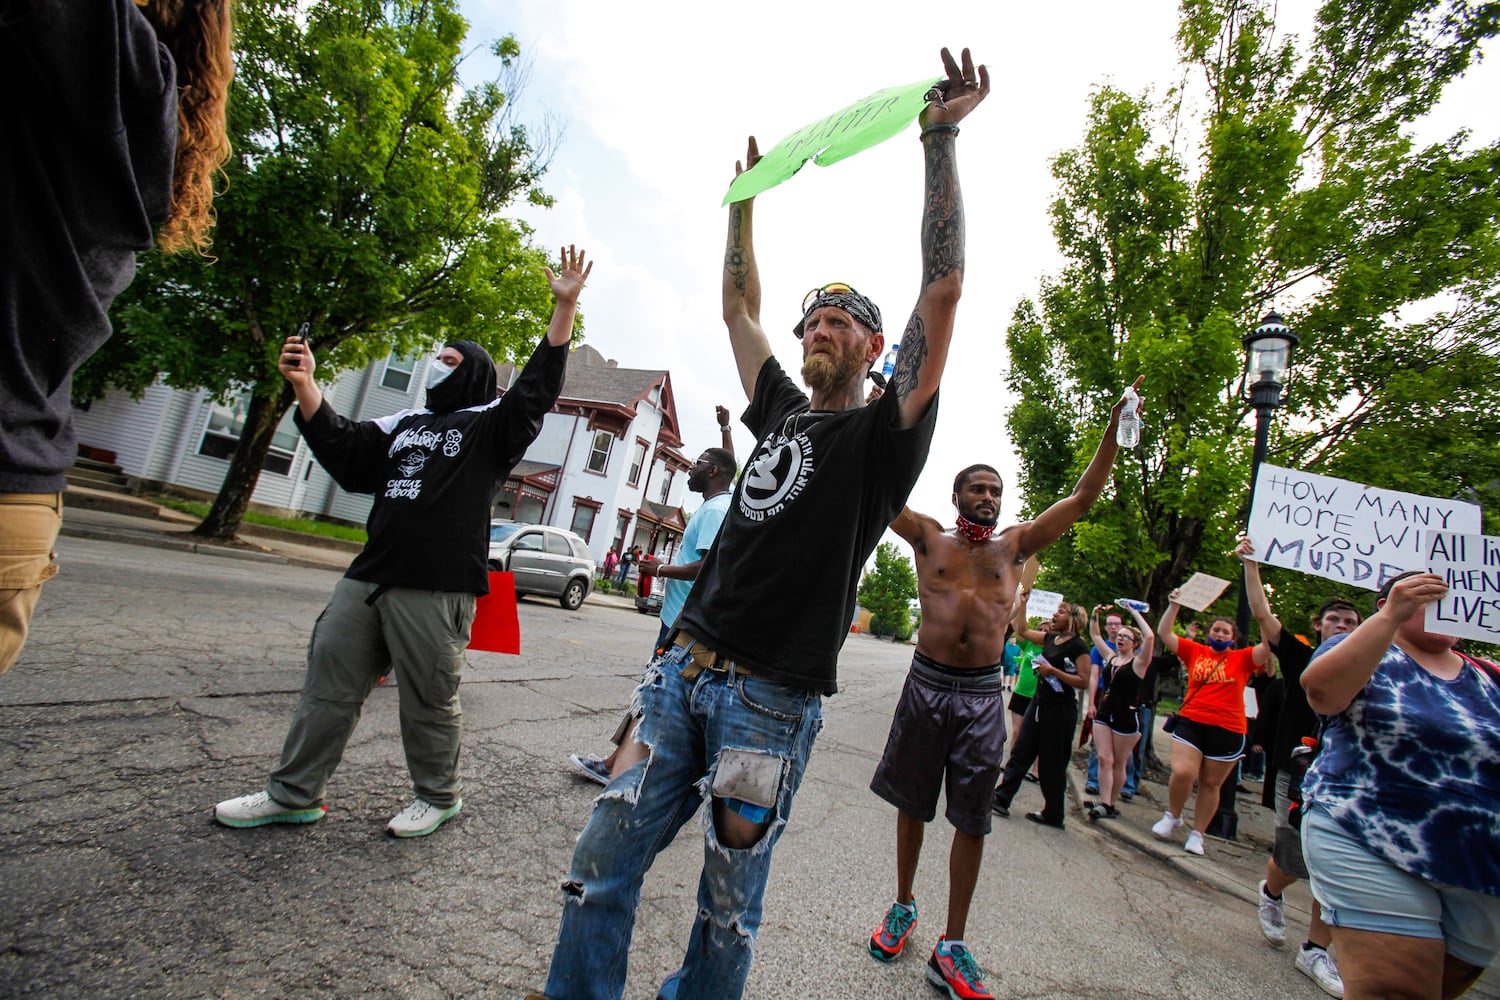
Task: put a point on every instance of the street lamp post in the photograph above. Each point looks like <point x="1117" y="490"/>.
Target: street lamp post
<point x="1268" y="360"/>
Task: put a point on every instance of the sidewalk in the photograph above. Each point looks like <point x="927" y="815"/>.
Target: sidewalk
<point x="88" y="515"/>
<point x="1234" y="867"/>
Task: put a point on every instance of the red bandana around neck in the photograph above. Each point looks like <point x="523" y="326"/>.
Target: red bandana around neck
<point x="973" y="532"/>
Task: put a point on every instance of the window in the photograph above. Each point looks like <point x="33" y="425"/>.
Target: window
<point x="226" y="421"/>
<point x="583" y="521"/>
<point x="397" y="374"/>
<point x="557" y="545"/>
<point x="637" y="461"/>
<point x="599" y="453"/>
<point x="531" y="542"/>
<point x="666" y="483"/>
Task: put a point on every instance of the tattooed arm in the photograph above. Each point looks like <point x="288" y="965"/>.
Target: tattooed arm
<point x="742" y="288"/>
<point x="924" y="342"/>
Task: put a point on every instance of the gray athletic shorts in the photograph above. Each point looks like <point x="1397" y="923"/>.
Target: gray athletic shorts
<point x="1287" y="850"/>
<point x="949" y="729"/>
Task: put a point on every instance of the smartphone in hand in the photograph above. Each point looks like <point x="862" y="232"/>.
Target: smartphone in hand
<point x="302" y="337"/>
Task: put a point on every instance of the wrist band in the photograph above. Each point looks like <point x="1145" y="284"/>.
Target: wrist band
<point x="938" y="127"/>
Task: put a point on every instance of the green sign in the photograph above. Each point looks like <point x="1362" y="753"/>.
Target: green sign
<point x="865" y="123"/>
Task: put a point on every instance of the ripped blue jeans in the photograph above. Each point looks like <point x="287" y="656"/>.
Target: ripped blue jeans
<point x="718" y="735"/>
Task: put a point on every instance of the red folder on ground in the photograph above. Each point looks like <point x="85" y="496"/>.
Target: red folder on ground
<point x="497" y="626"/>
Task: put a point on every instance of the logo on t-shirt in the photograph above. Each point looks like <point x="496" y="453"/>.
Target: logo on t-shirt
<point x="776" y="476"/>
<point x="411" y="463"/>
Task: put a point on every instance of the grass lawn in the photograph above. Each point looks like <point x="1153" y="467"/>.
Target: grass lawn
<point x="304" y="525"/>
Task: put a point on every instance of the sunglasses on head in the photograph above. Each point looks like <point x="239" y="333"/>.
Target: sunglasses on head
<point x="832" y="287"/>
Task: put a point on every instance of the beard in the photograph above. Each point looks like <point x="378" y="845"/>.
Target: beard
<point x="823" y="372"/>
<point x="975" y="516"/>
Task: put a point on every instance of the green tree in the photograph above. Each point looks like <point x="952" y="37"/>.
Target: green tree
<point x="1302" y="190"/>
<point x="887" y="592"/>
<point x="364" y="197"/>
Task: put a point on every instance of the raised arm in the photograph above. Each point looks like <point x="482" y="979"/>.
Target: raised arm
<point x="915" y="528"/>
<point x="1255" y="592"/>
<point x="924" y="342"/>
<point x="1050" y="524"/>
<point x="721" y="414"/>
<point x="1168" y="619"/>
<point x="1148" y="644"/>
<point x="1334" y="678"/>
<point x="1099" y="643"/>
<point x="566" y="286"/>
<point x="742" y="288"/>
<point x="1020" y="624"/>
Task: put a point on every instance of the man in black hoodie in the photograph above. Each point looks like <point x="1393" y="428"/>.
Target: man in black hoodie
<point x="407" y="601"/>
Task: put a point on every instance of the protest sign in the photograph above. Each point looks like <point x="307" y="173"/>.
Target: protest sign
<point x="1345" y="531"/>
<point x="865" y="123"/>
<point x="1200" y="591"/>
<point x="1043" y="604"/>
<point x="1471" y="566"/>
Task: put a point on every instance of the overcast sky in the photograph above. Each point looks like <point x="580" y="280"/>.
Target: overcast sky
<point x="656" y="100"/>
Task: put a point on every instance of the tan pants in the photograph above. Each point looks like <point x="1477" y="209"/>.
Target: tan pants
<point x="29" y="523"/>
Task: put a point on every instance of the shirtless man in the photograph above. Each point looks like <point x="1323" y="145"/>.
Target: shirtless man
<point x="967" y="581"/>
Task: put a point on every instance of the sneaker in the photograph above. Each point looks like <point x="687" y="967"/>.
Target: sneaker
<point x="1317" y="965"/>
<point x="1091" y="789"/>
<point x="1272" y="918"/>
<point x="592" y="768"/>
<point x="1194" y="843"/>
<point x="1096" y="811"/>
<point x="1110" y="812"/>
<point x="999" y="808"/>
<point x="889" y="939"/>
<point x="421" y="818"/>
<point x="957" y="974"/>
<point x="1163" y="827"/>
<point x="260" y="809"/>
<point x="1127" y="796"/>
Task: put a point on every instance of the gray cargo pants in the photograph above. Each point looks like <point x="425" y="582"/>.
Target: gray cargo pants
<point x="422" y="635"/>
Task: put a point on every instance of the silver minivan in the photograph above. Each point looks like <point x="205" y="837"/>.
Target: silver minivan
<point x="546" y="561"/>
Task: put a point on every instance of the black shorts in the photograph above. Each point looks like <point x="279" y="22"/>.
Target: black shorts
<point x="946" y="721"/>
<point x="1121" y="721"/>
<point x="1019" y="703"/>
<point x="1213" y="742"/>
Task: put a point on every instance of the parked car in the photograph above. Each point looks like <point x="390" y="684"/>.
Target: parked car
<point x="546" y="561"/>
<point x="649" y="605"/>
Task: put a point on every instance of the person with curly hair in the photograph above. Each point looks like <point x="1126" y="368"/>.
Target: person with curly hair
<point x="114" y="127"/>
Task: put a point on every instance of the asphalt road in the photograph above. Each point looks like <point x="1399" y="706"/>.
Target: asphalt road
<point x="158" y="682"/>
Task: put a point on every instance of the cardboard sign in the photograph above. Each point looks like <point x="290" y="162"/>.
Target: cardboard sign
<point x="1200" y="591"/>
<point x="1042" y="604"/>
<point x="1471" y="566"/>
<point x="1345" y="531"/>
<point x="865" y="123"/>
<point x="497" y="623"/>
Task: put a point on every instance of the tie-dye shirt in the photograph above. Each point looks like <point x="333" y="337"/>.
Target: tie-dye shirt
<point x="1411" y="769"/>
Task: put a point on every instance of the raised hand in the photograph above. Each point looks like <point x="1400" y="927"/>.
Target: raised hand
<point x="567" y="283"/>
<point x="960" y="93"/>
<point x="721" y="414"/>
<point x="296" y="362"/>
<point x="1136" y="388"/>
<point x="752" y="157"/>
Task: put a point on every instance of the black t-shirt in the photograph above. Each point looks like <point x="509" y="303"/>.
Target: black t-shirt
<point x="1295" y="719"/>
<point x="776" y="591"/>
<point x="1121" y="686"/>
<point x="434" y="477"/>
<point x="1057" y="651"/>
<point x="88" y="134"/>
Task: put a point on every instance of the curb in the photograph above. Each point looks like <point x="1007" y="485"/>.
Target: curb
<point x="161" y="540"/>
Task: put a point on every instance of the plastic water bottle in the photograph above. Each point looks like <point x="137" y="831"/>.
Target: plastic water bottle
<point x="888" y="366"/>
<point x="1052" y="682"/>
<point x="1128" y="434"/>
<point x="1132" y="604"/>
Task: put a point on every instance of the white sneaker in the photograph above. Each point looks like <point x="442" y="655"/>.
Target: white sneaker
<point x="1317" y="965"/>
<point x="421" y="818"/>
<point x="1194" y="843"/>
<point x="260" y="809"/>
<point x="1272" y="918"/>
<point x="1163" y="827"/>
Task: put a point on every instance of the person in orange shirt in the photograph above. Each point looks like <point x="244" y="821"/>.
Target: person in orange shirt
<point x="1209" y="735"/>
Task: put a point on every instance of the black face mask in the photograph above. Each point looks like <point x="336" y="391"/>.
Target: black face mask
<point x="471" y="384"/>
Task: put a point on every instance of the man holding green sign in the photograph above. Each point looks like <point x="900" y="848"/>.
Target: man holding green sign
<point x="731" y="707"/>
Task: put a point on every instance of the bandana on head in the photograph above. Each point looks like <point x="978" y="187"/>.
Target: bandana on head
<point x="853" y="303"/>
<point x="973" y="532"/>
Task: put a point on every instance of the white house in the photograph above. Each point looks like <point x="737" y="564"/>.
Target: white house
<point x="607" y="463"/>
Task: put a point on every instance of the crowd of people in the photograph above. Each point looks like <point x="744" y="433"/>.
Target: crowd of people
<point x="1395" y="822"/>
